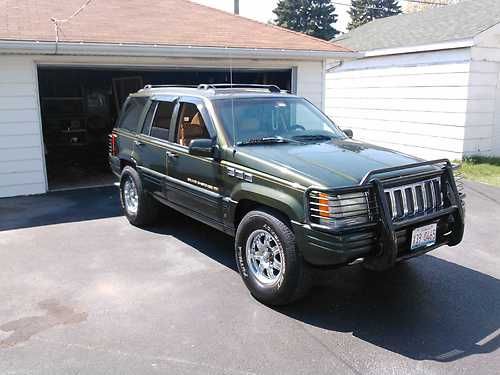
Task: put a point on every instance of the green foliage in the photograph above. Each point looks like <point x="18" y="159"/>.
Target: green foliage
<point x="482" y="169"/>
<point x="311" y="17"/>
<point x="363" y="11"/>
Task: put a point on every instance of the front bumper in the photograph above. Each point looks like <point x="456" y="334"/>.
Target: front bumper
<point x="384" y="241"/>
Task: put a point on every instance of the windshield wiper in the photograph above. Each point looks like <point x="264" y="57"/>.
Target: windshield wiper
<point x="313" y="137"/>
<point x="265" y="140"/>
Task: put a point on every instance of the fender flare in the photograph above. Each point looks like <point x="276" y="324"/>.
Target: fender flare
<point x="280" y="200"/>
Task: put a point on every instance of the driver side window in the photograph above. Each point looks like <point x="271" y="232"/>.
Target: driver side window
<point x="303" y="117"/>
<point x="190" y="125"/>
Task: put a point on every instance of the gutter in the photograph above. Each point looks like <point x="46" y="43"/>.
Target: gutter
<point x="461" y="43"/>
<point x="148" y="50"/>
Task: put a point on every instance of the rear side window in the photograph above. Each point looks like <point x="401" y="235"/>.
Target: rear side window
<point x="149" y="118"/>
<point x="160" y="127"/>
<point x="131" y="113"/>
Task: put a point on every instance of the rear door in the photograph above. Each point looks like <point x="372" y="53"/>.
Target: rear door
<point x="151" y="145"/>
<point x="127" y="128"/>
<point x="194" y="182"/>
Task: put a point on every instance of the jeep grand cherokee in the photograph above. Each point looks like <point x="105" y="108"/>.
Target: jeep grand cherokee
<point x="272" y="170"/>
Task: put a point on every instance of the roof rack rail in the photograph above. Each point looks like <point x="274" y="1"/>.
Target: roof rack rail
<point x="149" y="86"/>
<point x="222" y="86"/>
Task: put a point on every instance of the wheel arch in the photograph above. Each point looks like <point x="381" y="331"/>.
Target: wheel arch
<point x="124" y="162"/>
<point x="279" y="201"/>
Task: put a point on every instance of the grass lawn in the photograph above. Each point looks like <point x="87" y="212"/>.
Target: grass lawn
<point x="482" y="169"/>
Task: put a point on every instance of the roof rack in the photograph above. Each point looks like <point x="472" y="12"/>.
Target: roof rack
<point x="222" y="86"/>
<point x="160" y="86"/>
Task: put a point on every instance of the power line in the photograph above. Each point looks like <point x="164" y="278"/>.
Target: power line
<point x="423" y="2"/>
<point x="382" y="8"/>
<point x="58" y="22"/>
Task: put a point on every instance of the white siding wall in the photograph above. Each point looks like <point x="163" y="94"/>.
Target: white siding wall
<point x="496" y="129"/>
<point x="21" y="157"/>
<point x="417" y="103"/>
<point x="486" y="63"/>
<point x="22" y="169"/>
<point x="481" y="140"/>
<point x="311" y="82"/>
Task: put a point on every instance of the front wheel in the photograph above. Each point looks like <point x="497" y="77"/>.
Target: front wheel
<point x="268" y="260"/>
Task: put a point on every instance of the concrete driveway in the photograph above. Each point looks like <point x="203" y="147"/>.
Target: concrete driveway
<point x="82" y="291"/>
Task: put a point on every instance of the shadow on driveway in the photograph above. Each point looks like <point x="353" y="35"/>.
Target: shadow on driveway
<point x="424" y="309"/>
<point x="59" y="207"/>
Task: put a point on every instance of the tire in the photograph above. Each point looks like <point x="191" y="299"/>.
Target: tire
<point x="145" y="210"/>
<point x="268" y="259"/>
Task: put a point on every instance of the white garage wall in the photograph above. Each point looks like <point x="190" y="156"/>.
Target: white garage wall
<point x="311" y="82"/>
<point x="481" y="140"/>
<point x="22" y="169"/>
<point x="486" y="63"/>
<point x="21" y="156"/>
<point x="418" y="103"/>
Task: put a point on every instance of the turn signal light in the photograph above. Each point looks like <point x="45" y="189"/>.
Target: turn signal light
<point x="323" y="207"/>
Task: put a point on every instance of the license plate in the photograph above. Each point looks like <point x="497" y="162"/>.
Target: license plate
<point x="423" y="236"/>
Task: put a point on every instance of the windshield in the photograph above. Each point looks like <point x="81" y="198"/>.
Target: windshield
<point x="274" y="118"/>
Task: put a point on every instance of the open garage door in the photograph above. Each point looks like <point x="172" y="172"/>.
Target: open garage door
<point x="79" y="107"/>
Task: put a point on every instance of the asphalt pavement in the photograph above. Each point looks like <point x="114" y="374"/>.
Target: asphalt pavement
<point x="84" y="292"/>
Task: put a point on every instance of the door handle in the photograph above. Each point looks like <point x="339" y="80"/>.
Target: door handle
<point x="171" y="154"/>
<point x="138" y="143"/>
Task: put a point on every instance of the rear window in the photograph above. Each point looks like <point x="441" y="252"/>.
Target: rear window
<point x="131" y="113"/>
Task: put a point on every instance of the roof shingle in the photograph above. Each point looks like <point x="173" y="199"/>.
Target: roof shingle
<point x="435" y="25"/>
<point x="161" y="22"/>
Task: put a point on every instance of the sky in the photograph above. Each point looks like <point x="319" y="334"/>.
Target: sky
<point x="262" y="10"/>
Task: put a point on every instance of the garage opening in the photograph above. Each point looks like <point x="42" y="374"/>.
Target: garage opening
<point x="79" y="107"/>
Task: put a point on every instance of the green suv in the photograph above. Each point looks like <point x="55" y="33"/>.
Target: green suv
<point x="272" y="170"/>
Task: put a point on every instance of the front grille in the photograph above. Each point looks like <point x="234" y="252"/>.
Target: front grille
<point x="414" y="199"/>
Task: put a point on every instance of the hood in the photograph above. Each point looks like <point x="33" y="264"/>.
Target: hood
<point x="340" y="162"/>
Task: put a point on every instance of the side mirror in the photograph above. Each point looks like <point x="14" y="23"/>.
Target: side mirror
<point x="202" y="147"/>
<point x="348" y="132"/>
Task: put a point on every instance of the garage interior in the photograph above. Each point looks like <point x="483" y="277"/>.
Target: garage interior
<point x="79" y="107"/>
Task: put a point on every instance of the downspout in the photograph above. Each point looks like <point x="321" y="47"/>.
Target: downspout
<point x="335" y="66"/>
<point x="323" y="85"/>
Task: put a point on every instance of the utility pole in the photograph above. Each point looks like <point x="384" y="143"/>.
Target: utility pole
<point x="236" y="7"/>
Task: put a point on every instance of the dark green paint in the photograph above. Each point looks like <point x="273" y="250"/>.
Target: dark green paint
<point x="280" y="175"/>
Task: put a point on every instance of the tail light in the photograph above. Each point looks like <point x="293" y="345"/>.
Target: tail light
<point x="113" y="148"/>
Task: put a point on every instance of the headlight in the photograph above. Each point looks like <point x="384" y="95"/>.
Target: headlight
<point x="339" y="211"/>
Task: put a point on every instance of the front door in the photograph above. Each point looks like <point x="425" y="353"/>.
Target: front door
<point x="194" y="182"/>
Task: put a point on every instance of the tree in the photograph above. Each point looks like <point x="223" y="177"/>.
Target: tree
<point x="363" y="11"/>
<point x="311" y="17"/>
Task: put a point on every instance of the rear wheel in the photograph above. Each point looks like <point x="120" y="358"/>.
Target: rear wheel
<point x="268" y="260"/>
<point x="139" y="207"/>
